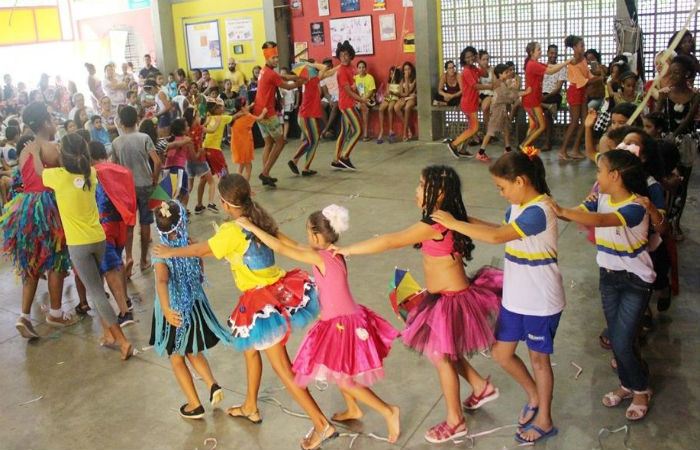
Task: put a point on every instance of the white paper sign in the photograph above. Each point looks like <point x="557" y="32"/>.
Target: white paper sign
<point x="239" y="30"/>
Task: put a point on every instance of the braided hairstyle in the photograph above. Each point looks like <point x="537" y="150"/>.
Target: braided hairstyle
<point x="235" y="190"/>
<point x="76" y="157"/>
<point x="443" y="190"/>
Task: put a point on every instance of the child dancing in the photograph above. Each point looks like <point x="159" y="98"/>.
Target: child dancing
<point x="243" y="146"/>
<point x="184" y="325"/>
<point x="458" y="316"/>
<point x="273" y="302"/>
<point x="348" y="344"/>
<point x="533" y="294"/>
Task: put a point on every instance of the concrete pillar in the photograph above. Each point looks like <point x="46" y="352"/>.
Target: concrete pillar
<point x="278" y="28"/>
<point x="164" y="34"/>
<point x="425" y="26"/>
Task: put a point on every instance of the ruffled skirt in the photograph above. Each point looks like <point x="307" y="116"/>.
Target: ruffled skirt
<point x="455" y="324"/>
<point x="266" y="316"/>
<point x="346" y="350"/>
<point x="33" y="236"/>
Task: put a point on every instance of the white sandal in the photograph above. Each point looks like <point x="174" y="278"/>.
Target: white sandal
<point x="611" y="399"/>
<point x="639" y="411"/>
<point x="321" y="435"/>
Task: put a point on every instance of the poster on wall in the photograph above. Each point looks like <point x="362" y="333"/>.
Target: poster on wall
<point x="349" y="5"/>
<point x="323" y="8"/>
<point x="318" y="37"/>
<point x="357" y="30"/>
<point x="296" y="8"/>
<point x="387" y="27"/>
<point x="408" y="3"/>
<point x="239" y="29"/>
<point x="301" y="51"/>
<point x="203" y="45"/>
<point x="379" y="5"/>
<point x="409" y="43"/>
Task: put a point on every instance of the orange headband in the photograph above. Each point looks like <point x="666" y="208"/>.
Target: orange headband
<point x="269" y="52"/>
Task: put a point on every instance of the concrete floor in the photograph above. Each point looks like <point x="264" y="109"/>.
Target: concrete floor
<point x="91" y="399"/>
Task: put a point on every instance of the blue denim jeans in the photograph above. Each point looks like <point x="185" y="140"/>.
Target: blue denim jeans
<point x="625" y="297"/>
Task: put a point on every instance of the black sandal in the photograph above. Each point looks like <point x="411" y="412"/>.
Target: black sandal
<point x="82" y="309"/>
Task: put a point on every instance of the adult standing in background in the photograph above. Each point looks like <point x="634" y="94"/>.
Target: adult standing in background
<point x="551" y="94"/>
<point x="114" y="87"/>
<point x="149" y="70"/>
<point x="95" y="86"/>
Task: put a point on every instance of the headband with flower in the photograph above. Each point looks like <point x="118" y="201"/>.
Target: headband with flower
<point x="531" y="151"/>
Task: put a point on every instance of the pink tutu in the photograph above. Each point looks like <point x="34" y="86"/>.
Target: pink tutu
<point x="457" y="323"/>
<point x="345" y="350"/>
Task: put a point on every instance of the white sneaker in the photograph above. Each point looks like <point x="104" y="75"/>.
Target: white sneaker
<point x="64" y="321"/>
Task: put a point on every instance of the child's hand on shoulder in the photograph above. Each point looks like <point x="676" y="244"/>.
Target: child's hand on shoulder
<point x="590" y="118"/>
<point x="263" y="112"/>
<point x="244" y="223"/>
<point x="445" y="219"/>
<point x="644" y="201"/>
<point x="558" y="210"/>
<point x="592" y="197"/>
<point x="173" y="317"/>
<point x="345" y="251"/>
<point x="161" y="251"/>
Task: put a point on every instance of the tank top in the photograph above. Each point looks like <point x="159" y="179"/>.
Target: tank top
<point x="159" y="102"/>
<point x="177" y="156"/>
<point x="438" y="247"/>
<point x="450" y="89"/>
<point x="333" y="289"/>
<point x="486" y="80"/>
<point x="31" y="180"/>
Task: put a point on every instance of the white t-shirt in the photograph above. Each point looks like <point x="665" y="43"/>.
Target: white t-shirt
<point x="532" y="283"/>
<point x="331" y="83"/>
<point x="623" y="247"/>
<point x="288" y="98"/>
<point x="549" y="82"/>
<point x="9" y="155"/>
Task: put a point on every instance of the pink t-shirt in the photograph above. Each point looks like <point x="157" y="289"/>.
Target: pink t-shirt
<point x="177" y="156"/>
<point x="333" y="289"/>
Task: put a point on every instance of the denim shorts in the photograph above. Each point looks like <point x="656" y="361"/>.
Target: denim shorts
<point x="143" y="194"/>
<point x="537" y="331"/>
<point x="197" y="168"/>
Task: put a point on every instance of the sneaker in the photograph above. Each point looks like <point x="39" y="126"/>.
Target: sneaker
<point x="212" y="207"/>
<point x="126" y="319"/>
<point x="483" y="157"/>
<point x="308" y="173"/>
<point x="199" y="209"/>
<point x="293" y="167"/>
<point x="63" y="321"/>
<point x="338" y="165"/>
<point x="465" y="154"/>
<point x="129" y="305"/>
<point x="346" y="162"/>
<point x="216" y="394"/>
<point x="453" y="151"/>
<point x="26" y="329"/>
<point x="267" y="181"/>
<point x="196" y="413"/>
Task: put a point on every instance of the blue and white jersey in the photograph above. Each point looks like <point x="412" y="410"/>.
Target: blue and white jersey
<point x="532" y="283"/>
<point x="623" y="247"/>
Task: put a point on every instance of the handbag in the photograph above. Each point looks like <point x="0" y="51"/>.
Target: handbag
<point x="604" y="117"/>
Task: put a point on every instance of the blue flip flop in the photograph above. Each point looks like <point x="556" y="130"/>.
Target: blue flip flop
<point x="543" y="435"/>
<point x="527" y="408"/>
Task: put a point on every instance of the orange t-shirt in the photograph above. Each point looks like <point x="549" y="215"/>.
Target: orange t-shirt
<point x="579" y="74"/>
<point x="243" y="145"/>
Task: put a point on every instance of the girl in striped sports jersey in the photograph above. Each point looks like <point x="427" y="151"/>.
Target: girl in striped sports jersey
<point x="621" y="214"/>
<point x="533" y="294"/>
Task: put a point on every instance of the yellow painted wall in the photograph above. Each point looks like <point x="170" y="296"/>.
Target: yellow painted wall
<point x="204" y="10"/>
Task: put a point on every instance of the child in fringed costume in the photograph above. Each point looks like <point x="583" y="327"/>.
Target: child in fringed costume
<point x="184" y="325"/>
<point x="33" y="235"/>
<point x="273" y="304"/>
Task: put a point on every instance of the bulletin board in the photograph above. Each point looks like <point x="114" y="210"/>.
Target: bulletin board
<point x="203" y="43"/>
<point x="240" y="38"/>
<point x="357" y="30"/>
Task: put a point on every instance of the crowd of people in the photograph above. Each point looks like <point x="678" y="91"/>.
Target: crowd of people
<point x="77" y="178"/>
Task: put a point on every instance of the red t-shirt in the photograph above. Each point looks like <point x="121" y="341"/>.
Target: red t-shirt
<point x="268" y="82"/>
<point x="196" y="133"/>
<point x="470" y="96"/>
<point x="534" y="73"/>
<point x="345" y="78"/>
<point x="311" y="100"/>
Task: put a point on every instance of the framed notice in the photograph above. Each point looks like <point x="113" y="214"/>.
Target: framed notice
<point x="356" y="30"/>
<point x="323" y="8"/>
<point x="318" y="36"/>
<point x="349" y="5"/>
<point x="387" y="27"/>
<point x="203" y="45"/>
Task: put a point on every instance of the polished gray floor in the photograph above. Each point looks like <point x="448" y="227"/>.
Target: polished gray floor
<point x="88" y="398"/>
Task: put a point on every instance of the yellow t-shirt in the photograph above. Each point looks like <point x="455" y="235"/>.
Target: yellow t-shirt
<point x="77" y="206"/>
<point x="213" y="140"/>
<point x="365" y="84"/>
<point x="237" y="80"/>
<point x="230" y="243"/>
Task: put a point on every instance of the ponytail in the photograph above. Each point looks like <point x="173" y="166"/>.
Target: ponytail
<point x="235" y="190"/>
<point x="518" y="164"/>
<point x="257" y="214"/>
<point x="76" y="157"/>
<point x="629" y="166"/>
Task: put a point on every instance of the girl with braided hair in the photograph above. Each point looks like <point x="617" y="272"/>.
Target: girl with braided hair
<point x="272" y="305"/>
<point x="533" y="293"/>
<point x="184" y="324"/>
<point x="456" y="317"/>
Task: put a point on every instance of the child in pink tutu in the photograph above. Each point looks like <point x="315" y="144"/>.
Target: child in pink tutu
<point x="348" y="344"/>
<point x="457" y="318"/>
<point x="533" y="294"/>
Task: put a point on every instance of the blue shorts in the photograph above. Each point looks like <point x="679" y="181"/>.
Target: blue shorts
<point x="112" y="258"/>
<point x="537" y="331"/>
<point x="197" y="168"/>
<point x="143" y="194"/>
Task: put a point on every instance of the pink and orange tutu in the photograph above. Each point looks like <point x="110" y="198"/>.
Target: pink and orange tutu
<point x="455" y="324"/>
<point x="346" y="350"/>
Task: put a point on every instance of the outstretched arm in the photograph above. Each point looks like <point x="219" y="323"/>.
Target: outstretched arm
<point x="200" y="249"/>
<point x="412" y="235"/>
<point x="490" y="233"/>
<point x="297" y="253"/>
<point x="584" y="217"/>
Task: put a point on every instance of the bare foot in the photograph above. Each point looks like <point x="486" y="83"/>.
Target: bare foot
<point x="577" y="155"/>
<point x="127" y="351"/>
<point x="129" y="265"/>
<point x="531" y="434"/>
<point x="108" y="341"/>
<point x="393" y="424"/>
<point x="348" y="414"/>
<point x="564" y="156"/>
<point x="314" y="438"/>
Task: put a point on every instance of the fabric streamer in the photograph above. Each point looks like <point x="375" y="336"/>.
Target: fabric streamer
<point x="580" y="369"/>
<point x="605" y="432"/>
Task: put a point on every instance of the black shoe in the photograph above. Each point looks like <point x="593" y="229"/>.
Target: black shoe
<point x="196" y="413"/>
<point x="216" y="394"/>
<point x="453" y="151"/>
<point x="126" y="319"/>
<point x="199" y="209"/>
<point x="212" y="207"/>
<point x="465" y="154"/>
<point x="664" y="300"/>
<point x="129" y="305"/>
<point x="346" y="162"/>
<point x="293" y="167"/>
<point x="266" y="181"/>
<point x="338" y="165"/>
<point x="308" y="173"/>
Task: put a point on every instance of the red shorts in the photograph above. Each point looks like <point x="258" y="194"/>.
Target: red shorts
<point x="575" y="96"/>
<point x="216" y="161"/>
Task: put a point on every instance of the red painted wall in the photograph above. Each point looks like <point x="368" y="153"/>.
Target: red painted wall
<point x="386" y="53"/>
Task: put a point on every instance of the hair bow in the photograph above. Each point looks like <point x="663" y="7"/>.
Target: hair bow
<point x="531" y="151"/>
<point x="632" y="148"/>
<point x="165" y="210"/>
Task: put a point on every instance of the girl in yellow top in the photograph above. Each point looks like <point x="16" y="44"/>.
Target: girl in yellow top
<point x="215" y="125"/>
<point x="273" y="302"/>
<point x="75" y="184"/>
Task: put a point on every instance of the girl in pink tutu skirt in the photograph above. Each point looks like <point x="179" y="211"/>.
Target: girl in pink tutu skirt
<point x="347" y="346"/>
<point x="457" y="318"/>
